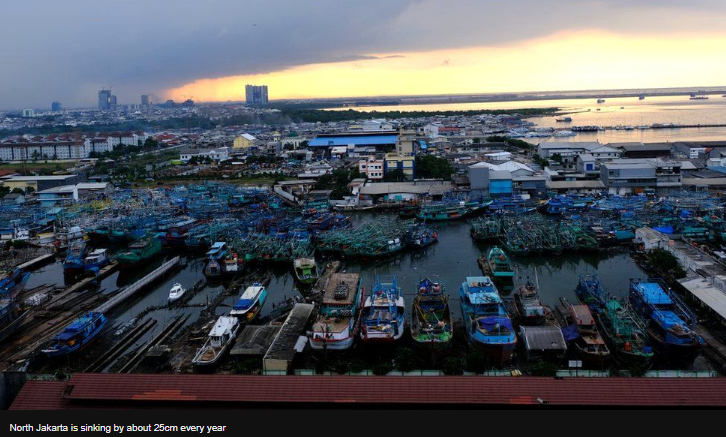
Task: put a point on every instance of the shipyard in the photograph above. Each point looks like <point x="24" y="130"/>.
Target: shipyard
<point x="362" y="206"/>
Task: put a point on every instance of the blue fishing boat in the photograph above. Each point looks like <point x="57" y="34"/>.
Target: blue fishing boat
<point x="382" y="318"/>
<point x="421" y="236"/>
<point x="96" y="260"/>
<point x="75" y="259"/>
<point x="671" y="322"/>
<point x="250" y="303"/>
<point x="486" y="320"/>
<point x="13" y="283"/>
<point x="76" y="335"/>
<point x="590" y="292"/>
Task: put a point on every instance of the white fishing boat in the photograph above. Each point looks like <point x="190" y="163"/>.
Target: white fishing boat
<point x="176" y="292"/>
<point x="221" y="337"/>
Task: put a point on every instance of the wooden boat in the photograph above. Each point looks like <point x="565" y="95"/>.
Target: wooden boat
<point x="139" y="251"/>
<point x="529" y="308"/>
<point x="486" y="320"/>
<point x="431" y="327"/>
<point x="498" y="267"/>
<point x="624" y="332"/>
<point x="338" y="320"/>
<point x="382" y="318"/>
<point x="581" y="332"/>
<point x="221" y="338"/>
<point x="76" y="335"/>
<point x="96" y="260"/>
<point x="306" y="270"/>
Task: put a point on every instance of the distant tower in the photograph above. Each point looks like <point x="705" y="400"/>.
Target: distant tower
<point x="146" y="100"/>
<point x="112" y="102"/>
<point x="104" y="99"/>
<point x="56" y="107"/>
<point x="28" y="113"/>
<point x="256" y="94"/>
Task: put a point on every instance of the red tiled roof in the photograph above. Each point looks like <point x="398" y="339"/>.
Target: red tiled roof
<point x="129" y="390"/>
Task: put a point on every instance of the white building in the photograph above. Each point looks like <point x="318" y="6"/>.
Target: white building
<point x="371" y="167"/>
<point x="221" y="154"/>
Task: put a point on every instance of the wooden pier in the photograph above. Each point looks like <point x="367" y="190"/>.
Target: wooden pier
<point x="39" y="261"/>
<point x="137" y="286"/>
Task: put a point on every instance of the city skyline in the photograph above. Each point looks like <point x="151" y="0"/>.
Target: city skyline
<point x="417" y="47"/>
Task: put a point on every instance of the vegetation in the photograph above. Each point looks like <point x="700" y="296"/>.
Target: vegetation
<point x="396" y="175"/>
<point x="337" y="182"/>
<point x="509" y="141"/>
<point x="543" y="368"/>
<point x="382" y="368"/>
<point x="665" y="264"/>
<point x="297" y="114"/>
<point x="477" y="362"/>
<point x="452" y="366"/>
<point x="405" y="360"/>
<point x="432" y="167"/>
<point x="540" y="161"/>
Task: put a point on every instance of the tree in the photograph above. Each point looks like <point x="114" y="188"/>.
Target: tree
<point x="396" y="175"/>
<point x="477" y="362"/>
<point x="433" y="167"/>
<point x="556" y="157"/>
<point x="405" y="360"/>
<point x="452" y="366"/>
<point x="476" y="140"/>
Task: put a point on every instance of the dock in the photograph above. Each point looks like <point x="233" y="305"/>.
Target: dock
<point x="85" y="282"/>
<point x="142" y="283"/>
<point x="283" y="348"/>
<point x="317" y="290"/>
<point x="36" y="262"/>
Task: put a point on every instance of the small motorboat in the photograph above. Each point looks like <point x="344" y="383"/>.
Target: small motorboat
<point x="176" y="292"/>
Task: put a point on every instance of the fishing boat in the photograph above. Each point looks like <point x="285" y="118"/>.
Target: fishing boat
<point x="67" y="236"/>
<point x="529" y="308"/>
<point x="382" y="318"/>
<point x="306" y="270"/>
<point x="624" y="332"/>
<point x="176" y="292"/>
<point x="177" y="233"/>
<point x="338" y="320"/>
<point x="564" y="119"/>
<point x="590" y="292"/>
<point x="601" y="100"/>
<point x="96" y="260"/>
<point x="486" y="320"/>
<point x="217" y="251"/>
<point x="220" y="339"/>
<point x="76" y="335"/>
<point x="138" y="252"/>
<point x="451" y="210"/>
<point x="250" y="303"/>
<point x="431" y="326"/>
<point x="500" y="270"/>
<point x="421" y="236"/>
<point x="13" y="283"/>
<point x="11" y="316"/>
<point x="671" y="323"/>
<point x="74" y="261"/>
<point x="581" y="332"/>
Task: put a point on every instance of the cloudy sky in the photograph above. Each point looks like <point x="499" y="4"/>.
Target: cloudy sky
<point x="209" y="49"/>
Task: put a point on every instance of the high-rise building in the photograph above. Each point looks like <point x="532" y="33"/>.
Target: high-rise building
<point x="146" y="100"/>
<point x="28" y="113"/>
<point x="112" y="102"/>
<point x="56" y="106"/>
<point x="104" y="100"/>
<point x="256" y="94"/>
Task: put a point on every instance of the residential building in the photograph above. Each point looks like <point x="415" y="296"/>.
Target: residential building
<point x="372" y="167"/>
<point x="568" y="152"/>
<point x="27" y="113"/>
<point x="628" y="176"/>
<point x="56" y="106"/>
<point x="244" y="141"/>
<point x="146" y="100"/>
<point x="104" y="100"/>
<point x="256" y="94"/>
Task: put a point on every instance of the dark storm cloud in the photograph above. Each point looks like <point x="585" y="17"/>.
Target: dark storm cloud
<point x="66" y="50"/>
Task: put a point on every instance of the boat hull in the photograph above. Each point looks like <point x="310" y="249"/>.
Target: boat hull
<point x="498" y="353"/>
<point x="685" y="353"/>
<point x="338" y="345"/>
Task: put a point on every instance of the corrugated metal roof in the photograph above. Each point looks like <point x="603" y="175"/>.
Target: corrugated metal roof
<point x="358" y="140"/>
<point x="134" y="390"/>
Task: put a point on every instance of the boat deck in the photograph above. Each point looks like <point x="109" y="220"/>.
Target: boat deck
<point x="336" y="279"/>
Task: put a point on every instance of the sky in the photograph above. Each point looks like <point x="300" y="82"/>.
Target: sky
<point x="209" y="49"/>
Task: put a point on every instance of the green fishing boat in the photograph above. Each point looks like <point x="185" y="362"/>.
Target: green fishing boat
<point x="431" y="327"/>
<point x="306" y="270"/>
<point x="625" y="333"/>
<point x="498" y="267"/>
<point x="139" y="251"/>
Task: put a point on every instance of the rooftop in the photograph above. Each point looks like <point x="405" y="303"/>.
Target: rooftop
<point x="105" y="390"/>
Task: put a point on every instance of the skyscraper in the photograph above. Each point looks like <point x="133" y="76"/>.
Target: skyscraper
<point x="256" y="94"/>
<point x="112" y="102"/>
<point x="145" y="100"/>
<point x="56" y="106"/>
<point x="104" y="100"/>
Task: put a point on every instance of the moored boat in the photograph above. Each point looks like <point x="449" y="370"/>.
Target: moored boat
<point x="250" y="303"/>
<point x="589" y="291"/>
<point x="421" y="236"/>
<point x="306" y="270"/>
<point x="529" y="308"/>
<point x="13" y="283"/>
<point x="382" y="318"/>
<point x="11" y="316"/>
<point x="139" y="251"/>
<point x="671" y="323"/>
<point x="338" y="320"/>
<point x="176" y="292"/>
<point x="486" y="320"/>
<point x="96" y="260"/>
<point x="76" y="335"/>
<point x="220" y="339"/>
<point x="581" y="332"/>
<point x="431" y="325"/>
<point x="624" y="332"/>
<point x="75" y="258"/>
<point x="499" y="268"/>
